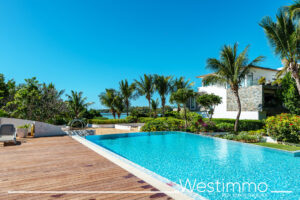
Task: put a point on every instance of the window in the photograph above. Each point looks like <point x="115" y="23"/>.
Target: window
<point x="250" y="79"/>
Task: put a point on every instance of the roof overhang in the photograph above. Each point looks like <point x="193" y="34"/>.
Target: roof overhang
<point x="255" y="67"/>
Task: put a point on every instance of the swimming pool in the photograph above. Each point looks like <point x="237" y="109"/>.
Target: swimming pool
<point x="220" y="168"/>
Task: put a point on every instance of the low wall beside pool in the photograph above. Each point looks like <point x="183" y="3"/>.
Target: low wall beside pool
<point x="41" y="129"/>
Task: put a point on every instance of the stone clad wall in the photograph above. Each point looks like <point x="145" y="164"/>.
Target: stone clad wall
<point x="251" y="99"/>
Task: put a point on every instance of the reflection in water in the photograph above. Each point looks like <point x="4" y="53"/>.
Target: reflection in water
<point x="222" y="151"/>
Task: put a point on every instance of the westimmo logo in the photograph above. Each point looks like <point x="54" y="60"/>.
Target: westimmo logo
<point x="223" y="187"/>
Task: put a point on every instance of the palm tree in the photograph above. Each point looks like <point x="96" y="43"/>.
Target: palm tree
<point x="284" y="37"/>
<point x="231" y="69"/>
<point x="181" y="96"/>
<point x="154" y="105"/>
<point x="77" y="104"/>
<point x="146" y="87"/>
<point x="127" y="92"/>
<point x="107" y="99"/>
<point x="163" y="87"/>
<point x="293" y="10"/>
<point x="119" y="105"/>
<point x="180" y="83"/>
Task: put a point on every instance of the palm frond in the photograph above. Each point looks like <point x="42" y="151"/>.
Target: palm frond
<point x="213" y="79"/>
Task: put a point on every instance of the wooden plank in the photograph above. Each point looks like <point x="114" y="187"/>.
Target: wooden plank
<point x="62" y="164"/>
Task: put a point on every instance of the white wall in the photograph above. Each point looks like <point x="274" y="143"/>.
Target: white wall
<point x="220" y="91"/>
<point x="258" y="73"/>
<point x="41" y="129"/>
<point x="221" y="109"/>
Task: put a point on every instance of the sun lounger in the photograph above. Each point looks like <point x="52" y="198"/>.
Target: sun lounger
<point x="7" y="133"/>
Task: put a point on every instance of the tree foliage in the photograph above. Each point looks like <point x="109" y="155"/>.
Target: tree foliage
<point x="77" y="104"/>
<point x="287" y="92"/>
<point x="145" y="87"/>
<point x="284" y="37"/>
<point x="181" y="96"/>
<point x="128" y="92"/>
<point x="154" y="106"/>
<point x="163" y="85"/>
<point x="208" y="102"/>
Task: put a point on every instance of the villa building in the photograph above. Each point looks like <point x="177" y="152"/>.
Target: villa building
<point x="258" y="101"/>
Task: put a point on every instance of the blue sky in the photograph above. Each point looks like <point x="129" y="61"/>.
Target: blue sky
<point x="92" y="45"/>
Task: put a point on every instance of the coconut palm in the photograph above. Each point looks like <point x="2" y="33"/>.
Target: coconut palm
<point x="107" y="99"/>
<point x="127" y="92"/>
<point x="145" y="86"/>
<point x="230" y="69"/>
<point x="163" y="87"/>
<point x="284" y="37"/>
<point x="154" y="105"/>
<point x="294" y="10"/>
<point x="77" y="104"/>
<point x="180" y="83"/>
<point x="119" y="105"/>
<point x="181" y="96"/>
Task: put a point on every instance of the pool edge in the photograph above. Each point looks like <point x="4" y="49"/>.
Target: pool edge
<point x="148" y="176"/>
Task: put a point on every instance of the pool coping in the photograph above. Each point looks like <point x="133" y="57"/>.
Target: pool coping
<point x="161" y="183"/>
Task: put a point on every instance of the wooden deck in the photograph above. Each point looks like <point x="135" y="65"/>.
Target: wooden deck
<point x="62" y="164"/>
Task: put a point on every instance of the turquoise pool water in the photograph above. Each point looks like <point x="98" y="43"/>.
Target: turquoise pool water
<point x="219" y="167"/>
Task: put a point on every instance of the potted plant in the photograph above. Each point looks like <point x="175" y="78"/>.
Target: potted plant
<point x="22" y="131"/>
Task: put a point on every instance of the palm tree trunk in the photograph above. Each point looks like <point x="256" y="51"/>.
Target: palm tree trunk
<point x="185" y="116"/>
<point x="295" y="75"/>
<point x="149" y="100"/>
<point x="163" y="102"/>
<point x="236" y="124"/>
<point x="178" y="108"/>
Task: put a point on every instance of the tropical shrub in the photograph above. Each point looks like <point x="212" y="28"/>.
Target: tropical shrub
<point x="208" y="127"/>
<point x="225" y="126"/>
<point x="132" y="119"/>
<point x="163" y="124"/>
<point x="284" y="127"/>
<point x="191" y="116"/>
<point x="107" y="121"/>
<point x="257" y="132"/>
<point x="3" y="113"/>
<point x="244" y="125"/>
<point x="243" y="137"/>
<point x="230" y="136"/>
<point x="58" y="120"/>
<point x="173" y="114"/>
<point x="288" y="94"/>
<point x="201" y="126"/>
<point x="92" y="114"/>
<point x="139" y="112"/>
<point x="145" y="119"/>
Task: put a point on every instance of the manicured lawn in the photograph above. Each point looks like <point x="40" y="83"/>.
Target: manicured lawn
<point x="279" y="146"/>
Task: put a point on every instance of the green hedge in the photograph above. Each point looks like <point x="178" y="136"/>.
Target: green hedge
<point x="164" y="124"/>
<point x="145" y="119"/>
<point x="244" y="124"/>
<point x="107" y="121"/>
